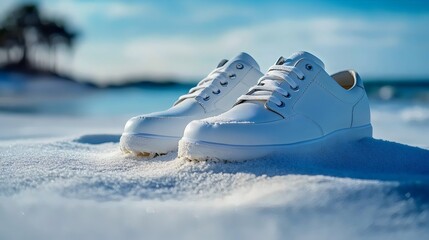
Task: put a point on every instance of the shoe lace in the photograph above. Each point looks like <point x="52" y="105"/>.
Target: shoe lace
<point x="270" y="83"/>
<point x="213" y="79"/>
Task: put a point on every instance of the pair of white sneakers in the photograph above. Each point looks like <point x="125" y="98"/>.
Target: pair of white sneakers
<point x="295" y="107"/>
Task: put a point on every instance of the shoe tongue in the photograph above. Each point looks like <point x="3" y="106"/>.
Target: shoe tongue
<point x="293" y="59"/>
<point x="222" y="63"/>
<point x="243" y="57"/>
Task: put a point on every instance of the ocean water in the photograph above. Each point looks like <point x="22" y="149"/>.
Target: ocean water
<point x="46" y="96"/>
<point x="400" y="112"/>
<point x="62" y="175"/>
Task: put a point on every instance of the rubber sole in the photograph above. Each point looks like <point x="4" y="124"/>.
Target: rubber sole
<point x="147" y="145"/>
<point x="208" y="151"/>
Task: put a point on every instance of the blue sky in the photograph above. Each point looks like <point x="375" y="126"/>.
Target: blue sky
<point x="186" y="39"/>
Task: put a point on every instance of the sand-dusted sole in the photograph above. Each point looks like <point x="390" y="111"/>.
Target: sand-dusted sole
<point x="147" y="145"/>
<point x="147" y="155"/>
<point x="193" y="150"/>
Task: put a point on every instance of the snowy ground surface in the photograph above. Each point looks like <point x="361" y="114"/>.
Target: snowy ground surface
<point x="63" y="177"/>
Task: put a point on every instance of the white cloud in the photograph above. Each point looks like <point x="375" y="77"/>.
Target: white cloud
<point x="122" y="10"/>
<point x="81" y="11"/>
<point x="368" y="45"/>
<point x="191" y="56"/>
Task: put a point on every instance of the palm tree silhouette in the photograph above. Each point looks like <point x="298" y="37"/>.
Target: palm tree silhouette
<point x="24" y="33"/>
<point x="56" y="33"/>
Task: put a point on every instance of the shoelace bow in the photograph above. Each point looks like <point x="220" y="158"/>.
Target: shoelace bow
<point x="209" y="82"/>
<point x="270" y="83"/>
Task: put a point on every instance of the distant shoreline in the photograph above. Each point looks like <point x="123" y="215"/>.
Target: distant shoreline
<point x="168" y="82"/>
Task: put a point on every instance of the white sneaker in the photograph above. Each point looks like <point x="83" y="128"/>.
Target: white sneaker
<point x="158" y="133"/>
<point x="295" y="107"/>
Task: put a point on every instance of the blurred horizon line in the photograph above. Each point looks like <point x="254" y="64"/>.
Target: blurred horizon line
<point x="157" y="80"/>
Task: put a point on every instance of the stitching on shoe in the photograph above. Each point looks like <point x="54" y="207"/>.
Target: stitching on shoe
<point x="304" y="90"/>
<point x="353" y="108"/>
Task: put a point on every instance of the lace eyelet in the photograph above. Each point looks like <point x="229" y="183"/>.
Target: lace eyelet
<point x="295" y="89"/>
<point x="239" y="66"/>
<point x="303" y="77"/>
<point x="224" y="84"/>
<point x="206" y="98"/>
<point x="308" y="67"/>
<point x="282" y="104"/>
<point x="232" y="76"/>
<point x="217" y="92"/>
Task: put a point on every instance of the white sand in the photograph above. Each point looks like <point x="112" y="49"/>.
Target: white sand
<point x="64" y="178"/>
